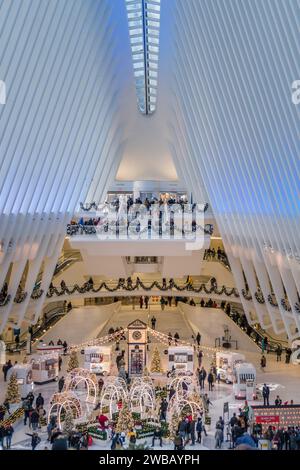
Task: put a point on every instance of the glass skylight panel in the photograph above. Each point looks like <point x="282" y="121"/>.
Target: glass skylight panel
<point x="144" y="23"/>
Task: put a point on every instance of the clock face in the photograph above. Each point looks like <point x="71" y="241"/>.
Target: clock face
<point x="136" y="335"/>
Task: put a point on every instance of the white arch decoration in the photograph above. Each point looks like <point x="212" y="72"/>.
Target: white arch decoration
<point x="112" y="393"/>
<point x="178" y="382"/>
<point x="142" y="396"/>
<point x="79" y="375"/>
<point x="67" y="401"/>
<point x="178" y="405"/>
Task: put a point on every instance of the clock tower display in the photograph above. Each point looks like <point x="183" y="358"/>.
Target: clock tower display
<point x="137" y="347"/>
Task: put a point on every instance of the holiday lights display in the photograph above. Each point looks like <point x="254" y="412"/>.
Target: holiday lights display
<point x="65" y="402"/>
<point x="113" y="393"/>
<point x="142" y="397"/>
<point x="82" y="376"/>
<point x="13" y="417"/>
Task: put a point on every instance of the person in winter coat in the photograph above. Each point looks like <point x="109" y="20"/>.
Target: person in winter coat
<point x="35" y="440"/>
<point x="210" y="380"/>
<point x="178" y="442"/>
<point x="199" y="429"/>
<point x="266" y="394"/>
<point x="9" y="430"/>
<point x="218" y="438"/>
<point x="39" y="400"/>
<point x="61" y="384"/>
<point x="34" y="420"/>
<point x="202" y="377"/>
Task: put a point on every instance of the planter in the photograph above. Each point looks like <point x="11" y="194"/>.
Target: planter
<point x="99" y="442"/>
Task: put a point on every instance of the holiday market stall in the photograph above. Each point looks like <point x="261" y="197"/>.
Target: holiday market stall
<point x="23" y="373"/>
<point x="261" y="417"/>
<point x="97" y="359"/>
<point x="44" y="367"/>
<point x="181" y="358"/>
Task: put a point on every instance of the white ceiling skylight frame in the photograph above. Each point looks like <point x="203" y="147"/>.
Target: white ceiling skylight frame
<point x="144" y="22"/>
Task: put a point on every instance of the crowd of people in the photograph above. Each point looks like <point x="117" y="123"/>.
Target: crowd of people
<point x="219" y="255"/>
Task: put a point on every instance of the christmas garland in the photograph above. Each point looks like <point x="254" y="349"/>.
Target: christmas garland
<point x="131" y="286"/>
<point x="285" y="305"/>
<point x="5" y="301"/>
<point x="13" y="417"/>
<point x="259" y="297"/>
<point x="271" y="301"/>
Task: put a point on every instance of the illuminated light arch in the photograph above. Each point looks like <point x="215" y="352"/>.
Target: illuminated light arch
<point x="78" y="376"/>
<point x="142" y="396"/>
<point x="67" y="401"/>
<point x="112" y="393"/>
<point x="179" y="405"/>
<point x="177" y="384"/>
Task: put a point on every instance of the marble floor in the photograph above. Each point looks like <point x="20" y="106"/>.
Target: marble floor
<point x="284" y="379"/>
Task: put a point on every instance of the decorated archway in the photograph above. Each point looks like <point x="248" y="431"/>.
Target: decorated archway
<point x="64" y="402"/>
<point x="142" y="397"/>
<point x="112" y="394"/>
<point x="80" y="376"/>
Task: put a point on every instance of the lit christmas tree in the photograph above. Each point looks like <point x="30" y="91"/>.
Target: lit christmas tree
<point x="156" y="362"/>
<point x="73" y="361"/>
<point x="125" y="421"/>
<point x="68" y="423"/>
<point x="12" y="393"/>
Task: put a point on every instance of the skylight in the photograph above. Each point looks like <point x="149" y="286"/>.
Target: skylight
<point x="143" y="22"/>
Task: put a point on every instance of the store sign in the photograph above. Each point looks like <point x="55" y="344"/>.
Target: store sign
<point x="267" y="419"/>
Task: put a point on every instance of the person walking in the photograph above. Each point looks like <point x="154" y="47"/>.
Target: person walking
<point x="198" y="338"/>
<point x="146" y="300"/>
<point x="176" y="338"/>
<point x="35" y="440"/>
<point x="278" y="353"/>
<point x="266" y="394"/>
<point x="59" y="363"/>
<point x="65" y="346"/>
<point x="141" y="302"/>
<point x="202" y="377"/>
<point x="163" y="410"/>
<point x="263" y="363"/>
<point x="39" y="400"/>
<point x="34" y="420"/>
<point x="200" y="357"/>
<point x="162" y="303"/>
<point x="199" y="429"/>
<point x="9" y="430"/>
<point x="210" y="380"/>
<point x="263" y="345"/>
<point x="218" y="438"/>
<point x="153" y="322"/>
<point x="61" y="384"/>
<point x="170" y="338"/>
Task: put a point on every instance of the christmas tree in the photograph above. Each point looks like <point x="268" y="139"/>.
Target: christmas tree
<point x="156" y="362"/>
<point x="68" y="423"/>
<point x="173" y="427"/>
<point x="12" y="393"/>
<point x="73" y="361"/>
<point x="125" y="421"/>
